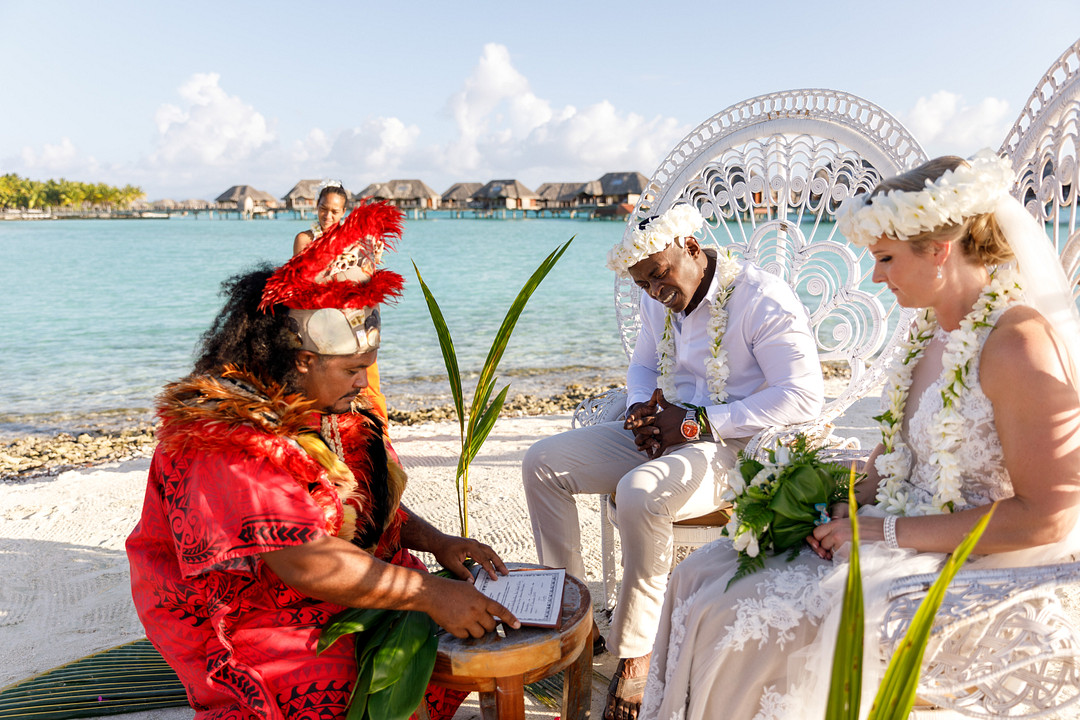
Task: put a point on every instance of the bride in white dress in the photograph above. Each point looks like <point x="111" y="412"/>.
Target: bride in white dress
<point x="983" y="408"/>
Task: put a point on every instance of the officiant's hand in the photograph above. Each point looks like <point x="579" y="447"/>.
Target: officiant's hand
<point x="452" y="551"/>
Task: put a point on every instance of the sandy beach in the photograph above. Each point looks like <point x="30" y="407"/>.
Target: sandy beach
<point x="65" y="592"/>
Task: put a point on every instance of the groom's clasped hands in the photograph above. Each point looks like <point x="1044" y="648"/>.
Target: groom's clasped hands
<point x="656" y="424"/>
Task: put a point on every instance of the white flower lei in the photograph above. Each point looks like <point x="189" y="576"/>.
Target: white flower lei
<point x="894" y="465"/>
<point x="716" y="367"/>
<point x="958" y="194"/>
<point x="680" y="221"/>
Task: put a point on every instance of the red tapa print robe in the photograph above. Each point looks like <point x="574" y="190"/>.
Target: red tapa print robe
<point x="226" y="483"/>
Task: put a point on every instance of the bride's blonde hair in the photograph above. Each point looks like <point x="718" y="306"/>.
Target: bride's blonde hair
<point x="980" y="237"/>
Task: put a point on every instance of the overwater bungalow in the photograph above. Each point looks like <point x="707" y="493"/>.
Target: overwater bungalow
<point x="460" y="196"/>
<point x="405" y="194"/>
<point x="615" y="188"/>
<point x="247" y="201"/>
<point x="503" y="195"/>
<point x="560" y="198"/>
<point x="303" y="197"/>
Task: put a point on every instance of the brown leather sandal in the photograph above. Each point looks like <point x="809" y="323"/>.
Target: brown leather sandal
<point x="623" y="690"/>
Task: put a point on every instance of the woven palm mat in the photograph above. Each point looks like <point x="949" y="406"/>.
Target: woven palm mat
<point x="133" y="678"/>
<point x="127" y="678"/>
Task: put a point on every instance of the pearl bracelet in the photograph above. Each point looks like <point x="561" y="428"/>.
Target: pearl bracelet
<point x="890" y="532"/>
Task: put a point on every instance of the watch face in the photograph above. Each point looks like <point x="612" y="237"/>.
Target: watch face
<point x="690" y="429"/>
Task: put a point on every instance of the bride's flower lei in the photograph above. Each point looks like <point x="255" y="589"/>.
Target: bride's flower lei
<point x="716" y="367"/>
<point x="894" y="465"/>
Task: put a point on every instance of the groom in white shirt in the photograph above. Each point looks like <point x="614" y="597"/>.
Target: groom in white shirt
<point x="725" y="350"/>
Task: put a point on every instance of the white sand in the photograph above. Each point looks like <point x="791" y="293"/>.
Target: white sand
<point x="64" y="591"/>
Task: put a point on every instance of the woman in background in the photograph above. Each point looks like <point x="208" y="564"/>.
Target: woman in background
<point x="330" y="209"/>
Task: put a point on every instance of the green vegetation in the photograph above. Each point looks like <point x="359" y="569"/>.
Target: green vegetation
<point x="26" y="194"/>
<point x="484" y="411"/>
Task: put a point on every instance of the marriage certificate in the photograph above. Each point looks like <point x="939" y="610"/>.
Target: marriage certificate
<point x="534" y="596"/>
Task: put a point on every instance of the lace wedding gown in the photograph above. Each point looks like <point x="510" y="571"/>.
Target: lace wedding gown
<point x="762" y="650"/>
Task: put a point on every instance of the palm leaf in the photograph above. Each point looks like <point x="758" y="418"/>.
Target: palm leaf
<point x="845" y="686"/>
<point x="353" y="620"/>
<point x="446" y="344"/>
<point x="482" y="416"/>
<point x="125" y="679"/>
<point x="896" y="695"/>
<point x="397" y="651"/>
<point x="485" y="424"/>
<point x="502" y="337"/>
<point x="400" y="700"/>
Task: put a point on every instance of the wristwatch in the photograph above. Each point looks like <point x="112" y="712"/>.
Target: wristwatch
<point x="690" y="428"/>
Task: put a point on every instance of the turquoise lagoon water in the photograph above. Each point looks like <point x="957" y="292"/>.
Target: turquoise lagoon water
<point x="99" y="314"/>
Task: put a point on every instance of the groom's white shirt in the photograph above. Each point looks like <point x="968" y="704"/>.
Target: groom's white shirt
<point x="775" y="376"/>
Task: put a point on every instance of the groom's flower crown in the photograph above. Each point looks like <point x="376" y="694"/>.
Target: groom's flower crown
<point x="680" y="221"/>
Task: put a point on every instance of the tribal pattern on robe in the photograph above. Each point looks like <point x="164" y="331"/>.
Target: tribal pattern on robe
<point x="231" y="479"/>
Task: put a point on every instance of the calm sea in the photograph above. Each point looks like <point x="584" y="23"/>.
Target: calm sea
<point x="99" y="314"/>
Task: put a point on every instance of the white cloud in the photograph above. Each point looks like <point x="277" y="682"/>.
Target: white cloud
<point x="504" y="129"/>
<point x="946" y="125"/>
<point x="61" y="159"/>
<point x="213" y="128"/>
<point x="377" y="147"/>
<point x="208" y="139"/>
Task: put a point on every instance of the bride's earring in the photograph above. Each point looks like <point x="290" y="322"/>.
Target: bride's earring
<point x="938" y="272"/>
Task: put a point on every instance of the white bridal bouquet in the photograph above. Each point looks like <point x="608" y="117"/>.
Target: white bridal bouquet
<point x="777" y="503"/>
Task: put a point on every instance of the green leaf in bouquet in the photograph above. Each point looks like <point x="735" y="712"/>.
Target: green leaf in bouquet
<point x="399" y="648"/>
<point x="748" y="468"/>
<point x="790" y="534"/>
<point x="801" y="489"/>
<point x="756" y="515"/>
<point x="747" y="566"/>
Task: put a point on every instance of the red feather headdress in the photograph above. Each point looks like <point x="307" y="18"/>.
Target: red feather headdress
<point x="338" y="269"/>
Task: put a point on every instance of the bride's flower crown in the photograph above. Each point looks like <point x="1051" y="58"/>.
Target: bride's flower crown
<point x="680" y="221"/>
<point x="958" y="194"/>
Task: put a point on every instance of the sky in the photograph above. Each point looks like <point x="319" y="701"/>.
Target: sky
<point x="187" y="99"/>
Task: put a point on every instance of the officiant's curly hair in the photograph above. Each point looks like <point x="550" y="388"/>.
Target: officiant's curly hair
<point x="241" y="335"/>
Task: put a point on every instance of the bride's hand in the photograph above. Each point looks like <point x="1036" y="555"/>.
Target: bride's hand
<point x="828" y="537"/>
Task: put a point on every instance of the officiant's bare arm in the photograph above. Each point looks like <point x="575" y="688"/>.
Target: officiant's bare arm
<point x="450" y="550"/>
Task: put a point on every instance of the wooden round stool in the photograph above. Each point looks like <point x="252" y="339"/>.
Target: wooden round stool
<point x="499" y="667"/>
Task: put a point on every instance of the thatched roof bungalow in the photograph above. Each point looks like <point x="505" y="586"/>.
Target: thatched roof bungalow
<point x="559" y="196"/>
<point x="405" y="194"/>
<point x="303" y="196"/>
<point x="507" y="195"/>
<point x="460" y="196"/>
<point x="616" y="187"/>
<point x="238" y="196"/>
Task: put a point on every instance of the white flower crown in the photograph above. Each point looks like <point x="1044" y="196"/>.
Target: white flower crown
<point x="958" y="194"/>
<point x="679" y="221"/>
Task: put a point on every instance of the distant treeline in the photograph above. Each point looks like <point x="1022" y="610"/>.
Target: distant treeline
<point x="25" y="194"/>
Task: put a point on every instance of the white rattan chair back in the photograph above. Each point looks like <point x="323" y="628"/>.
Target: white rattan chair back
<point x="1043" y="147"/>
<point x="768" y="174"/>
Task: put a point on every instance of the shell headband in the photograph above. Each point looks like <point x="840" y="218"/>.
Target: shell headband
<point x="680" y="221"/>
<point x="969" y="190"/>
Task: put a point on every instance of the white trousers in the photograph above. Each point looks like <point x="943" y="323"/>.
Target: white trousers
<point x="649" y="496"/>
